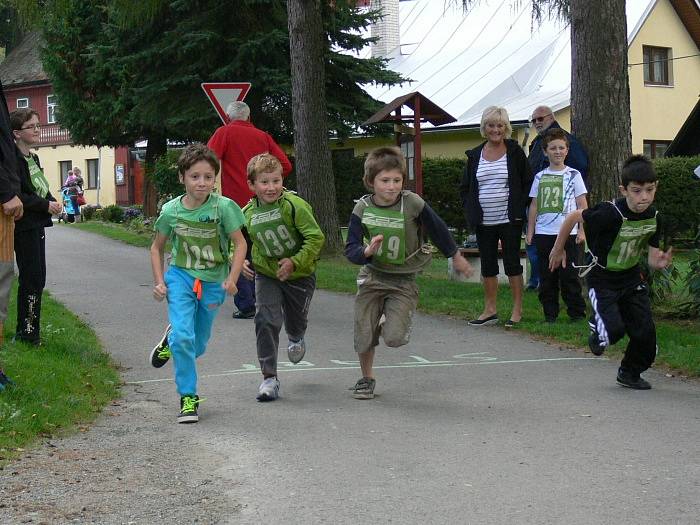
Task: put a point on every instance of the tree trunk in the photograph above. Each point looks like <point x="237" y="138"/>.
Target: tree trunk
<point x="600" y="97"/>
<point x="157" y="146"/>
<point x="307" y="43"/>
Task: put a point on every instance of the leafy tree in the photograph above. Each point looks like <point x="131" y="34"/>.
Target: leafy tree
<point x="599" y="84"/>
<point x="125" y="70"/>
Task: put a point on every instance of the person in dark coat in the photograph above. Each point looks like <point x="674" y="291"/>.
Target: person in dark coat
<point x="30" y="241"/>
<point x="12" y="210"/>
<point x="494" y="193"/>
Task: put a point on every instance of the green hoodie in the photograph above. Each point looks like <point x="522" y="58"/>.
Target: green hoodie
<point x="286" y="228"/>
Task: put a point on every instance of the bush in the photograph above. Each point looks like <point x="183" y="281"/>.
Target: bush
<point x="164" y="174"/>
<point x="131" y="213"/>
<point x="677" y="196"/>
<point x="441" y="180"/>
<point x="348" y="185"/>
<point x="113" y="213"/>
<point x="89" y="212"/>
<point x="140" y="225"/>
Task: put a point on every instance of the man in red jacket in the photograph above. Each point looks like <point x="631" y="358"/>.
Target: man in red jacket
<point x="235" y="144"/>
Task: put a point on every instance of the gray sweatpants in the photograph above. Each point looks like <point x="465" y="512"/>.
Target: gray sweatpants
<point x="277" y="302"/>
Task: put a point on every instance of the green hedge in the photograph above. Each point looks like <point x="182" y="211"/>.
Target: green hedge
<point x="678" y="196"/>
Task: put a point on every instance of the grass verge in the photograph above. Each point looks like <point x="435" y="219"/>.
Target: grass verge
<point x="59" y="387"/>
<point x="679" y="341"/>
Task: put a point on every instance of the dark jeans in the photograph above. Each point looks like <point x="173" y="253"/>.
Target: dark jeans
<point x="487" y="238"/>
<point x="618" y="311"/>
<point x="564" y="279"/>
<point x="30" y="253"/>
<point x="245" y="297"/>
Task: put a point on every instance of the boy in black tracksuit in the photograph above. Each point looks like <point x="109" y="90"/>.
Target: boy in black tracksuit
<point x="616" y="233"/>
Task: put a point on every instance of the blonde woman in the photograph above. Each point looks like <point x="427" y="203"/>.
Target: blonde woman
<point x="494" y="193"/>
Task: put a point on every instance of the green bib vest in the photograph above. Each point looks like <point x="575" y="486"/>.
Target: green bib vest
<point x="390" y="224"/>
<point x="629" y="243"/>
<point x="550" y="194"/>
<point x="199" y="245"/>
<point x="276" y="238"/>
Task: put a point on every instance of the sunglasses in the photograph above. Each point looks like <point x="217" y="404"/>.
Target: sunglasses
<point x="539" y="119"/>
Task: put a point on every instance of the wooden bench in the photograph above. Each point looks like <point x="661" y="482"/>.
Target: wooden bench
<point x="472" y="255"/>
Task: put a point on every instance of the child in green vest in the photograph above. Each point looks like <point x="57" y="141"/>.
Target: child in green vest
<point x="200" y="225"/>
<point x="387" y="236"/>
<point x="287" y="242"/>
<point x="556" y="191"/>
<point x="617" y="233"/>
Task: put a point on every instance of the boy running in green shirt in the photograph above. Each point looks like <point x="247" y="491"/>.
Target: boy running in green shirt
<point x="617" y="233"/>
<point x="387" y="235"/>
<point x="200" y="224"/>
<point x="287" y="242"/>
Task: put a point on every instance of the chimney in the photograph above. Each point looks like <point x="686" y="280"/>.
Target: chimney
<point x="387" y="28"/>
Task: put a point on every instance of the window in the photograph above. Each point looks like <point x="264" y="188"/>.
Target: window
<point x="51" y="109"/>
<point x="93" y="169"/>
<point x="655" y="148"/>
<point x="657" y="65"/>
<point x="22" y="103"/>
<point x="64" y="166"/>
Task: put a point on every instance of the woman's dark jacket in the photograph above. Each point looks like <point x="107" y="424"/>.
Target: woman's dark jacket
<point x="36" y="208"/>
<point x="519" y="183"/>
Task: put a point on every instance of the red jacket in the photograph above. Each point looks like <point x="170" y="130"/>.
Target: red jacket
<point x="235" y="144"/>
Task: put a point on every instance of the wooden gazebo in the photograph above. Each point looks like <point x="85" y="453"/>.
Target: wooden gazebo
<point x="409" y="138"/>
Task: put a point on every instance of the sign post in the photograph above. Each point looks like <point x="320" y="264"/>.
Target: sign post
<point x="221" y="94"/>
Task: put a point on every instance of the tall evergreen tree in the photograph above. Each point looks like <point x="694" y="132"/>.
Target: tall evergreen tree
<point x="123" y="70"/>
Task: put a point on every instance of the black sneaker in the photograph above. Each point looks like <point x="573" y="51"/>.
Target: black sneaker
<point x="594" y="341"/>
<point x="244" y="314"/>
<point x="632" y="380"/>
<point x="364" y="388"/>
<point x="161" y="352"/>
<point x="188" y="409"/>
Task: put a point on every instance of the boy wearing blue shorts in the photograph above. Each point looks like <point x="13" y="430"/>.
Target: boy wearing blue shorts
<point x="200" y="225"/>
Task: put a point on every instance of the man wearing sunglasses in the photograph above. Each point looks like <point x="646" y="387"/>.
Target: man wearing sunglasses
<point x="543" y="119"/>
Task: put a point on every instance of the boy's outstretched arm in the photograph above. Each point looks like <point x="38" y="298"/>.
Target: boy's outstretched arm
<point x="531" y="221"/>
<point x="240" y="247"/>
<point x="557" y="257"/>
<point x="658" y="260"/>
<point x="441" y="236"/>
<point x="581" y="204"/>
<point x="160" y="291"/>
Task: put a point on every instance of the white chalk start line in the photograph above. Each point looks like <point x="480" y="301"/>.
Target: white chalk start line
<point x="472" y="359"/>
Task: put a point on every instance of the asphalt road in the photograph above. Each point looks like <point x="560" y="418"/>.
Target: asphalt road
<point x="470" y="425"/>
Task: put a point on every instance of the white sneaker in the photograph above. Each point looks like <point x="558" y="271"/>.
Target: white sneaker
<point x="269" y="389"/>
<point x="296" y="350"/>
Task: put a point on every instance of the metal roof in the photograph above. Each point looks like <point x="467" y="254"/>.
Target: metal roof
<point x="492" y="55"/>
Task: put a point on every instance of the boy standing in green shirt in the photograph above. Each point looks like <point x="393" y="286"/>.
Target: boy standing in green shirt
<point x="287" y="242"/>
<point x="200" y="224"/>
